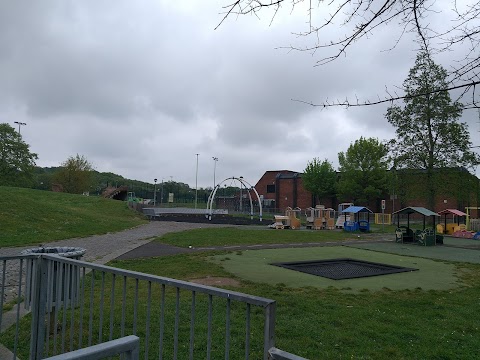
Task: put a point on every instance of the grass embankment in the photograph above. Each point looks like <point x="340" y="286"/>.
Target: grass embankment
<point x="30" y="217"/>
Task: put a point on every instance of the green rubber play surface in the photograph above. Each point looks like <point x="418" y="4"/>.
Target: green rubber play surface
<point x="448" y="253"/>
<point x="254" y="265"/>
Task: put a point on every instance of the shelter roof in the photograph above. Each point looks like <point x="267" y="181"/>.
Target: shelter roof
<point x="357" y="209"/>
<point x="416" y="209"/>
<point x="452" y="211"/>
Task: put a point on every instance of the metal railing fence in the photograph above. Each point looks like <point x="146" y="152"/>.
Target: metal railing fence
<point x="75" y="304"/>
<point x="127" y="346"/>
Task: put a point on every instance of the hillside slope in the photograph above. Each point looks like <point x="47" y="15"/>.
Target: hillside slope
<point x="30" y="216"/>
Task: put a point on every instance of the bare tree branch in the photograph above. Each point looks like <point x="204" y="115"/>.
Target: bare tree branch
<point x="361" y="18"/>
<point x="390" y="98"/>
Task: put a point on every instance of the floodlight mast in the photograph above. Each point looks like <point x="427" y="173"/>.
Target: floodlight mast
<point x="19" y="125"/>
<point x="155" y="192"/>
<point x="196" y="183"/>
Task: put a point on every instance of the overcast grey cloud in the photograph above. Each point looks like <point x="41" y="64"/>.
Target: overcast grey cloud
<point x="140" y="87"/>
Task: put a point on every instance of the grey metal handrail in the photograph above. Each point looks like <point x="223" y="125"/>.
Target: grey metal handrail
<point x="77" y="304"/>
<point x="277" y="354"/>
<point x="129" y="346"/>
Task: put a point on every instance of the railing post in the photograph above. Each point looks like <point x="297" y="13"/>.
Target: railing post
<point x="269" y="328"/>
<point x="39" y="300"/>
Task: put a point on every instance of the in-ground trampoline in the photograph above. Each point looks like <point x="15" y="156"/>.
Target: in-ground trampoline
<point x="344" y="268"/>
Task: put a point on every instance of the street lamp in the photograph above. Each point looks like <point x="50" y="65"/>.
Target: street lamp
<point x="215" y="159"/>
<point x="19" y="125"/>
<point x="155" y="192"/>
<point x="225" y="196"/>
<point x="196" y="183"/>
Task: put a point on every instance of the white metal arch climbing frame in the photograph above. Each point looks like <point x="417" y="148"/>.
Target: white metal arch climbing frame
<point x="243" y="182"/>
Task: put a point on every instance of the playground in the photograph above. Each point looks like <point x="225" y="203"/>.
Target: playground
<point x="436" y="269"/>
<point x="251" y="259"/>
<point x="416" y="311"/>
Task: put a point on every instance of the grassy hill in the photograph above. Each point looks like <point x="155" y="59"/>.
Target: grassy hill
<point x="31" y="217"/>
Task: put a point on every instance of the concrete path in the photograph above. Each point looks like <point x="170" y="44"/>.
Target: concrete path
<point x="100" y="248"/>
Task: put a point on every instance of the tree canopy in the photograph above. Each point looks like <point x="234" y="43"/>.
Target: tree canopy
<point x="363" y="171"/>
<point x="319" y="178"/>
<point x="17" y="163"/>
<point x="75" y="175"/>
<point x="428" y="133"/>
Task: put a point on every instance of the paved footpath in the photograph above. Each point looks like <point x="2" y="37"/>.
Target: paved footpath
<point x="104" y="248"/>
<point x="100" y="248"/>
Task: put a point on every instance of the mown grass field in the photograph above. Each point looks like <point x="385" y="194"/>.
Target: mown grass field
<point x="251" y="235"/>
<point x="31" y="217"/>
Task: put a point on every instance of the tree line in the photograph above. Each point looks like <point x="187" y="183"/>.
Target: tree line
<point x="77" y="175"/>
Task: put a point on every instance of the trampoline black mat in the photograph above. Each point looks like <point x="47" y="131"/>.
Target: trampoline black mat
<point x="345" y="268"/>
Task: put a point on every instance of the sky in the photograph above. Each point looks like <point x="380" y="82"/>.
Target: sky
<point x="141" y="87"/>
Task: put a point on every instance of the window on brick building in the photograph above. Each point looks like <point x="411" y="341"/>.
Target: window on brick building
<point x="270" y="189"/>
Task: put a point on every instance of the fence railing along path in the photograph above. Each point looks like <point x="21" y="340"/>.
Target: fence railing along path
<point x="75" y="305"/>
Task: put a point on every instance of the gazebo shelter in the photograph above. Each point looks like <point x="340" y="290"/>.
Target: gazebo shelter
<point x="449" y="228"/>
<point x="408" y="234"/>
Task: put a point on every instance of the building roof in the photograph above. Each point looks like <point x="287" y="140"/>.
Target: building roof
<point x="357" y="209"/>
<point x="416" y="209"/>
<point x="453" y="212"/>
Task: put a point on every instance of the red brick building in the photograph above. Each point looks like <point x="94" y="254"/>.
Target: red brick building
<point x="456" y="188"/>
<point x="282" y="188"/>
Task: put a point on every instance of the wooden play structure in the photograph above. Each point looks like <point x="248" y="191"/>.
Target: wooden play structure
<point x="472" y="224"/>
<point x="287" y="221"/>
<point x="320" y="217"/>
<point x="457" y="223"/>
<point x="343" y="217"/>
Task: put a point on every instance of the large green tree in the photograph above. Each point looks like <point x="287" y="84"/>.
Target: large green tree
<point x="429" y="135"/>
<point x="17" y="163"/>
<point x="363" y="171"/>
<point x="319" y="177"/>
<point x="75" y="175"/>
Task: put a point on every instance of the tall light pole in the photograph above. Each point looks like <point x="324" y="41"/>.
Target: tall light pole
<point x="161" y="195"/>
<point x="224" y="196"/>
<point x="241" y="195"/>
<point x="196" y="183"/>
<point x="215" y="159"/>
<point x="19" y="125"/>
<point x="155" y="192"/>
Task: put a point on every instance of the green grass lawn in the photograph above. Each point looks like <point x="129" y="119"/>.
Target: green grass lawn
<point x="30" y="217"/>
<point x="328" y="323"/>
<point x="247" y="236"/>
<point x="256" y="266"/>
